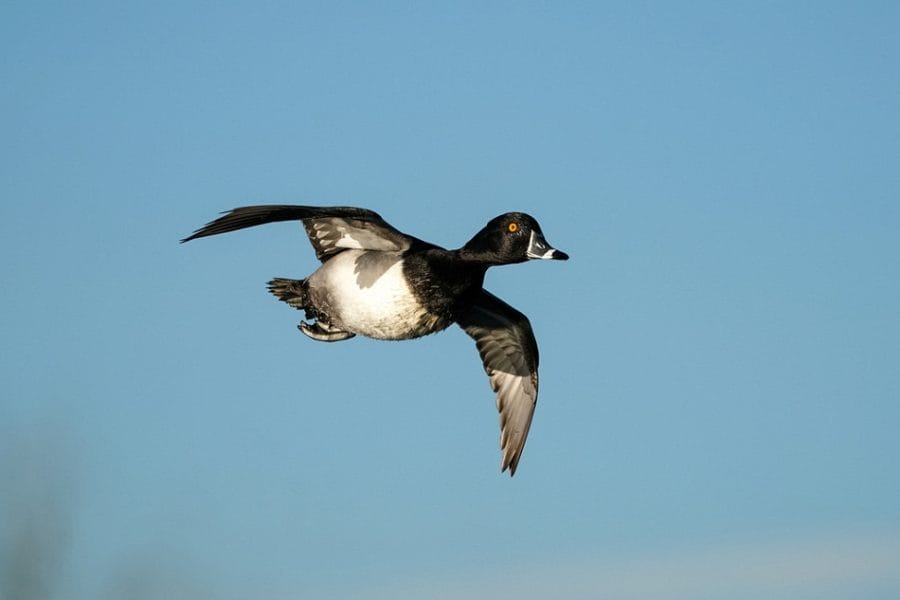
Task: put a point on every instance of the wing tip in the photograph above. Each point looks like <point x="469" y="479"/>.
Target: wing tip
<point x="510" y="462"/>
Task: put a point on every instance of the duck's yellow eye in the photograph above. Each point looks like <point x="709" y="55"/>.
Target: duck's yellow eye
<point x="513" y="227"/>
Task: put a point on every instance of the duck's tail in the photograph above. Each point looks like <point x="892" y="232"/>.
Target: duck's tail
<point x="292" y="291"/>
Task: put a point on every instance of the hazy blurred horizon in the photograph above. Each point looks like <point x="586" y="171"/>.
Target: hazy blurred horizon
<point x="41" y="504"/>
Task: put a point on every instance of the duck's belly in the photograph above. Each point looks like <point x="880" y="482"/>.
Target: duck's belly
<point x="367" y="294"/>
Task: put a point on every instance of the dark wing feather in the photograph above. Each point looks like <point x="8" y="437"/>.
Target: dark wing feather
<point x="330" y="228"/>
<point x="509" y="352"/>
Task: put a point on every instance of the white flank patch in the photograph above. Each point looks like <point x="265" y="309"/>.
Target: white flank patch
<point x="387" y="309"/>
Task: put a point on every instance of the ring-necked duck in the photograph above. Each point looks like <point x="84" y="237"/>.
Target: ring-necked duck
<point x="378" y="282"/>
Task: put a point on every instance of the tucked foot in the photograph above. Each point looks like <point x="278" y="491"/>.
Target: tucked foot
<point x="324" y="332"/>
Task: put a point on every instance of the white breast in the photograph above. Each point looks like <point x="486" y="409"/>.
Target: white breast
<point x="382" y="307"/>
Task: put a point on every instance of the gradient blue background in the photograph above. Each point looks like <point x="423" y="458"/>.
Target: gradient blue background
<point x="720" y="359"/>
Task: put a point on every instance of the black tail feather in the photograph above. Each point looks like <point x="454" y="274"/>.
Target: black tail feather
<point x="292" y="291"/>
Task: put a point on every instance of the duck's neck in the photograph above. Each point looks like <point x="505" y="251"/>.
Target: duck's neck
<point x="455" y="273"/>
<point x="476" y="258"/>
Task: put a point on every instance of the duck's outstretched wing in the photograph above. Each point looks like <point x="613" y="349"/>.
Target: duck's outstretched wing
<point x="331" y="229"/>
<point x="510" y="355"/>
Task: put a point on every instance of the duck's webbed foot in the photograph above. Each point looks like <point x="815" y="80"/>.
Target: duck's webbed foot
<point x="323" y="332"/>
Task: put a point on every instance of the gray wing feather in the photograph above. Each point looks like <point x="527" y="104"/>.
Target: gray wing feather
<point x="330" y="235"/>
<point x="509" y="352"/>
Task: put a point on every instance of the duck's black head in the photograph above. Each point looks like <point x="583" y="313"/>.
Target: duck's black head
<point x="511" y="238"/>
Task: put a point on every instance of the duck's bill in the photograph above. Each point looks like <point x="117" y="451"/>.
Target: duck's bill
<point x="539" y="249"/>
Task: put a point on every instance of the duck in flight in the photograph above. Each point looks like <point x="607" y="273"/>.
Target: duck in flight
<point x="380" y="283"/>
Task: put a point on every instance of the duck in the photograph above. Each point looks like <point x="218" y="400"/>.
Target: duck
<point x="377" y="282"/>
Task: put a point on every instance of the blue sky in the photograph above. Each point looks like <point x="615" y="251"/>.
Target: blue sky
<point x="720" y="365"/>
